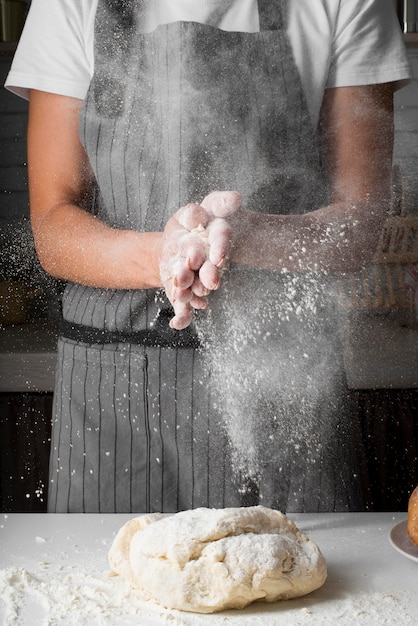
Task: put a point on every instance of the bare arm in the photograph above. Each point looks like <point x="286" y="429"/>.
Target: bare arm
<point x="356" y="133"/>
<point x="71" y="243"/>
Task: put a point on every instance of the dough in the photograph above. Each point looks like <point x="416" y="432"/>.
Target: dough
<point x="207" y="560"/>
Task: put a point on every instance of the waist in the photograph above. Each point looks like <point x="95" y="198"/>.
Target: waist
<point x="161" y="336"/>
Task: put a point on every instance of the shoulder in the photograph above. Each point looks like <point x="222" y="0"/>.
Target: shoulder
<point x="71" y="12"/>
<point x="368" y="46"/>
<point x="319" y="19"/>
<point x="340" y="43"/>
<point x="335" y="11"/>
<point x="55" y="51"/>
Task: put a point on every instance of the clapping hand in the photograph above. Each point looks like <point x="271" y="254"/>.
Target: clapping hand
<point x="196" y="247"/>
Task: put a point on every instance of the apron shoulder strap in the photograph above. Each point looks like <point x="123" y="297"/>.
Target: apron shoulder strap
<point x="272" y="14"/>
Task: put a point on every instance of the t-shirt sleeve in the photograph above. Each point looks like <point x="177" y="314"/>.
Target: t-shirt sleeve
<point x="368" y="46"/>
<point x="53" y="52"/>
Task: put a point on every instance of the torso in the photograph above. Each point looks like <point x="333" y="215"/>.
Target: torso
<point x="153" y="146"/>
<point x="167" y="121"/>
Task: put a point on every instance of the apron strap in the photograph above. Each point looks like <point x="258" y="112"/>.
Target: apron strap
<point x="272" y="14"/>
<point x="162" y="336"/>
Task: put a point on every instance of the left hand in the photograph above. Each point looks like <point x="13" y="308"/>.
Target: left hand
<point x="195" y="249"/>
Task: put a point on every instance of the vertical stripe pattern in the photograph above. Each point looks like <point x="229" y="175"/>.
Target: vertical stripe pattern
<point x="133" y="443"/>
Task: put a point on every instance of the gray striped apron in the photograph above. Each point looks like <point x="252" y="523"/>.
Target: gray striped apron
<point x="145" y="418"/>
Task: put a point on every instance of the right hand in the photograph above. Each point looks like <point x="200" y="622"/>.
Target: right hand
<point x="196" y="247"/>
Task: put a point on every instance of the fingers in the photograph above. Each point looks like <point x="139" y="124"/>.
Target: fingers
<point x="192" y="216"/>
<point x="219" y="238"/>
<point x="206" y="221"/>
<point x="184" y="253"/>
<point x="198" y="288"/>
<point x="184" y="309"/>
<point x="183" y="316"/>
<point x="222" y="203"/>
<point x="196" y="247"/>
<point x="194" y="251"/>
<point x="209" y="276"/>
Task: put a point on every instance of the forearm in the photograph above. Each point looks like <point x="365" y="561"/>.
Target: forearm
<point x="71" y="243"/>
<point x="336" y="238"/>
<point x="74" y="245"/>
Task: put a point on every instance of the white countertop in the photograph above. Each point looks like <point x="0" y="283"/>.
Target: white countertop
<point x="56" y="567"/>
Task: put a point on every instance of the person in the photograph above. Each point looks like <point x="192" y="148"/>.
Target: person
<point x="198" y="172"/>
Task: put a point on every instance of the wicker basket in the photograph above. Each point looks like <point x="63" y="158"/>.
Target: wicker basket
<point x="381" y="286"/>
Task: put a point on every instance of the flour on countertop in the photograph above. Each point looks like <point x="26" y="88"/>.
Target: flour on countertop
<point x="73" y="596"/>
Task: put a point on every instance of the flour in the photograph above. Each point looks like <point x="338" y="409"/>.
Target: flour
<point x="70" y="597"/>
<point x="75" y="596"/>
<point x="271" y="347"/>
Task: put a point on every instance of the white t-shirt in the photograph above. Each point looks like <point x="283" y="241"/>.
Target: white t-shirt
<point x="335" y="42"/>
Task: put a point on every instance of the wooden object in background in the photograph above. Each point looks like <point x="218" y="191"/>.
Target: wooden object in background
<point x="381" y="285"/>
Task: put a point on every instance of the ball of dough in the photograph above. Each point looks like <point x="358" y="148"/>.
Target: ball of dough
<point x="412" y="525"/>
<point x="207" y="560"/>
